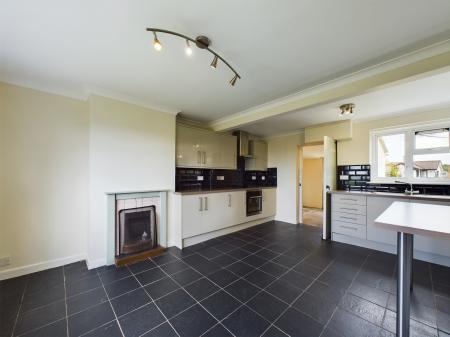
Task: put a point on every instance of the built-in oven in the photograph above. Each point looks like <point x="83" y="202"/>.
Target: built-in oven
<point x="254" y="202"/>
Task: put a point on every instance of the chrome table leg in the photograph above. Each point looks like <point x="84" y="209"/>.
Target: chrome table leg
<point x="404" y="272"/>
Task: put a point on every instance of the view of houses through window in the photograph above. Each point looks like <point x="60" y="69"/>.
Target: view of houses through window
<point x="426" y="151"/>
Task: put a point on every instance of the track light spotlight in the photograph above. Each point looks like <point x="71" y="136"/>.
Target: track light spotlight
<point x="156" y="44"/>
<point x="214" y="62"/>
<point x="201" y="42"/>
<point x="233" y="80"/>
<point x="188" y="49"/>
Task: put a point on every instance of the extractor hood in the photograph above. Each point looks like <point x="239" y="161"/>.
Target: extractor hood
<point x="244" y="144"/>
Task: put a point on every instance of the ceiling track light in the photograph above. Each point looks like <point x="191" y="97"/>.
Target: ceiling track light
<point x="188" y="49"/>
<point x="156" y="44"/>
<point x="233" y="80"/>
<point x="201" y="42"/>
<point x="346" y="109"/>
<point x="214" y="62"/>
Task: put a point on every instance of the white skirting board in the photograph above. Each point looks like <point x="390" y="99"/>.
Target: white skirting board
<point x="33" y="268"/>
<point x="211" y="235"/>
<point x="428" y="257"/>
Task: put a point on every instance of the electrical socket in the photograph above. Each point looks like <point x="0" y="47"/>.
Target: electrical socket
<point x="5" y="261"/>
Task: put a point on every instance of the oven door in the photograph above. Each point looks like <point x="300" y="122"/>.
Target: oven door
<point x="254" y="202"/>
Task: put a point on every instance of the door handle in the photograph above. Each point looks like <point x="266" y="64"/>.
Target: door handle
<point x="206" y="203"/>
<point x="328" y="188"/>
<point x="200" y="204"/>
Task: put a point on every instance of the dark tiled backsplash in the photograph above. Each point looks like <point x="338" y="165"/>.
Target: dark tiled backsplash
<point x="198" y="179"/>
<point x="353" y="177"/>
<point x="357" y="178"/>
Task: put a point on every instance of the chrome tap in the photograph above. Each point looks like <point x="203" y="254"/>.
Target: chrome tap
<point x="411" y="189"/>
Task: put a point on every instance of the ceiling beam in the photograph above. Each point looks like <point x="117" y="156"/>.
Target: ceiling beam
<point x="389" y="73"/>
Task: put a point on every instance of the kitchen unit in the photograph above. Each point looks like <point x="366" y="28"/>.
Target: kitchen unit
<point x="203" y="215"/>
<point x="222" y="184"/>
<point x="200" y="148"/>
<point x="353" y="217"/>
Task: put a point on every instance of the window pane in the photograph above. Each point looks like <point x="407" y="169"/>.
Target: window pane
<point x="431" y="165"/>
<point x="391" y="155"/>
<point x="431" y="139"/>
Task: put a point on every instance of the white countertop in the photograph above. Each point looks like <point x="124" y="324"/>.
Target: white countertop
<point x="416" y="218"/>
<point x="224" y="190"/>
<point x="396" y="195"/>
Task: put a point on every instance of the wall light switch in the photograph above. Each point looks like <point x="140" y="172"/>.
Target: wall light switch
<point x="199" y="178"/>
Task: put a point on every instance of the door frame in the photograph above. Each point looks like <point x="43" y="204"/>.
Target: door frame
<point x="299" y="179"/>
<point x="326" y="228"/>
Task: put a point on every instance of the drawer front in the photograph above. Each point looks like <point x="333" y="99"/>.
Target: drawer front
<point x="349" y="229"/>
<point x="350" y="218"/>
<point x="349" y="199"/>
<point x="346" y="208"/>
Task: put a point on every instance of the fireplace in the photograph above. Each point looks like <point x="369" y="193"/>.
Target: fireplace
<point x="137" y="230"/>
<point x="137" y="225"/>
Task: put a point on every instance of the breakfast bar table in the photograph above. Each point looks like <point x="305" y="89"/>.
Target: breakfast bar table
<point x="407" y="219"/>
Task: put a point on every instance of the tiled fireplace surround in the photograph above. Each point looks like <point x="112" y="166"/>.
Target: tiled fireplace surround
<point x="120" y="201"/>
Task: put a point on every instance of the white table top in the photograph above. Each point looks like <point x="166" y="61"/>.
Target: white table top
<point x="416" y="218"/>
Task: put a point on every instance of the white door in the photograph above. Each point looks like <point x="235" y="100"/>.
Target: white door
<point x="329" y="180"/>
<point x="299" y="184"/>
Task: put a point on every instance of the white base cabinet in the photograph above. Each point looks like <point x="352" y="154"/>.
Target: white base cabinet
<point x="349" y="221"/>
<point x="199" y="214"/>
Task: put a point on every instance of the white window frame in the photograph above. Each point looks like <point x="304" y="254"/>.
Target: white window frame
<point x="410" y="150"/>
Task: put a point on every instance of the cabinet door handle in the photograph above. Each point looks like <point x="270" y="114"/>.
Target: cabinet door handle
<point x="348" y="227"/>
<point x="229" y="200"/>
<point x="349" y="209"/>
<point x="346" y="217"/>
<point x="348" y="199"/>
<point x="200" y="204"/>
<point x="199" y="157"/>
<point x="204" y="157"/>
<point x="206" y="203"/>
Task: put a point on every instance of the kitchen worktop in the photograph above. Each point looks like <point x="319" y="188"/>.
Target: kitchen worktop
<point x="224" y="190"/>
<point x="414" y="218"/>
<point x="396" y="195"/>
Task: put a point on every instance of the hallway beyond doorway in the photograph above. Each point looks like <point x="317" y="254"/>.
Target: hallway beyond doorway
<point x="312" y="216"/>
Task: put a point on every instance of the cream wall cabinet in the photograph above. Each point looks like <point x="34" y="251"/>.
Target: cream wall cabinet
<point x="202" y="148"/>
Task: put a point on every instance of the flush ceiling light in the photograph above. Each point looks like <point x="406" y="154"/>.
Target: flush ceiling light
<point x="201" y="42"/>
<point x="346" y="109"/>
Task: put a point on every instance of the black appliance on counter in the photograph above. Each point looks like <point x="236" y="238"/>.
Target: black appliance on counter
<point x="254" y="202"/>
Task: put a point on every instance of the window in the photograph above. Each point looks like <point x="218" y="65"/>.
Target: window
<point x="414" y="153"/>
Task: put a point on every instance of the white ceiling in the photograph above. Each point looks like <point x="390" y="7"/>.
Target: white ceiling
<point x="279" y="47"/>
<point x="431" y="92"/>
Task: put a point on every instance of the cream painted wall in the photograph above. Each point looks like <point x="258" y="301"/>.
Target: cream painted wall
<point x="131" y="148"/>
<point x="282" y="154"/>
<point x="356" y="150"/>
<point x="312" y="182"/>
<point x="43" y="179"/>
<point x="336" y="130"/>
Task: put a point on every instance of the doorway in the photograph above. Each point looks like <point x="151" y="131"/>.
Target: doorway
<point x="312" y="184"/>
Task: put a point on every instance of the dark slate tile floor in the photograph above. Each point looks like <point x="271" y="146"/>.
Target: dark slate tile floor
<point x="274" y="279"/>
